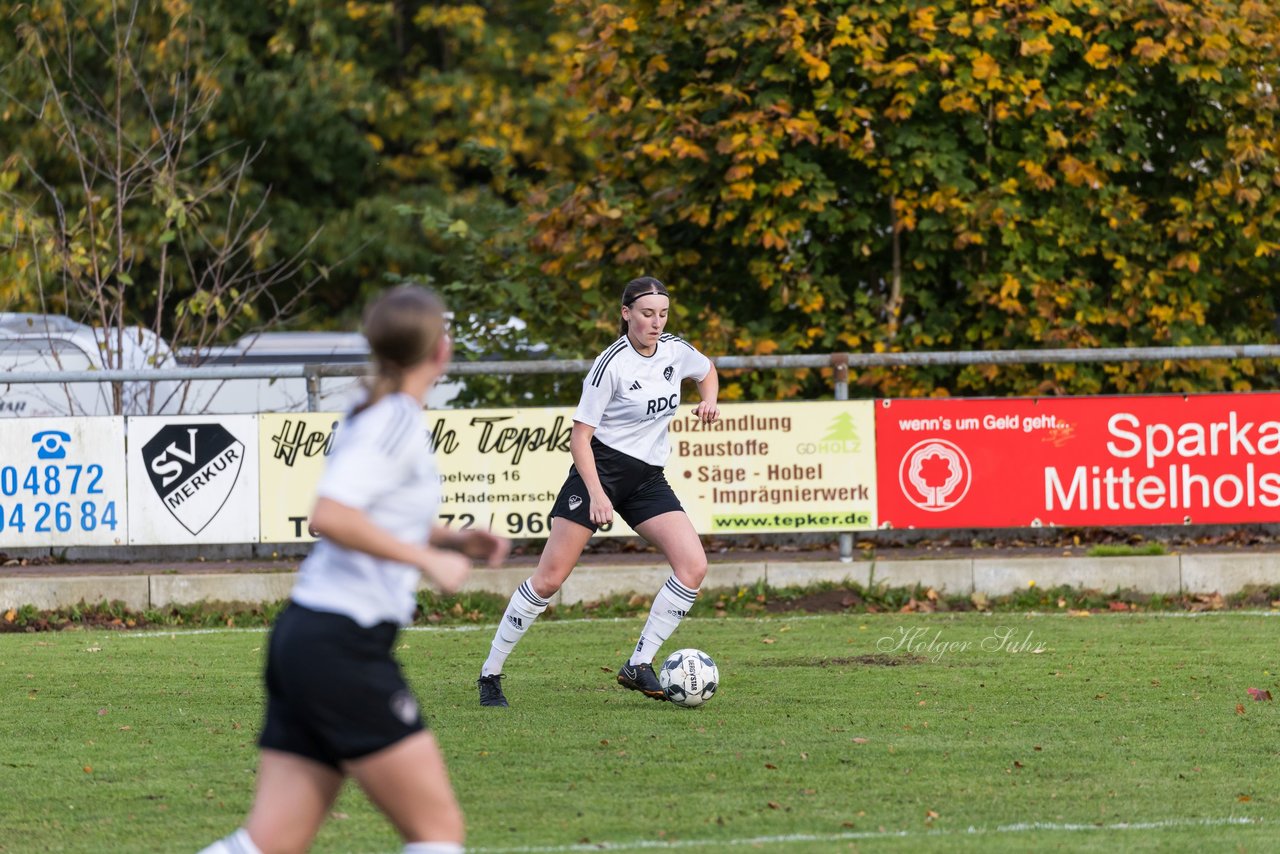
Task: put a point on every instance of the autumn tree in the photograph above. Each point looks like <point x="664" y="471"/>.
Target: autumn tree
<point x="828" y="176"/>
<point x="405" y="134"/>
<point x="119" y="213"/>
<point x="375" y="142"/>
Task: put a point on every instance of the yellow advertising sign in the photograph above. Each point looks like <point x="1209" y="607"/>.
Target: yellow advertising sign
<point x="762" y="468"/>
<point x="500" y="469"/>
<point x="775" y="467"/>
<point x="291" y="452"/>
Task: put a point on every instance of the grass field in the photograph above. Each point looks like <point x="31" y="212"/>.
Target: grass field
<point x="963" y="732"/>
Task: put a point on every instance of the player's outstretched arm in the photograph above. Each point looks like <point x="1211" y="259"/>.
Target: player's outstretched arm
<point x="352" y="529"/>
<point x="474" y="543"/>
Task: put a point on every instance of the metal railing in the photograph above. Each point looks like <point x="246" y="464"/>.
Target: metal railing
<point x="840" y="362"/>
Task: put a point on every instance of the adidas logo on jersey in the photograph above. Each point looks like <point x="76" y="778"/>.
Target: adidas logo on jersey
<point x="635" y="386"/>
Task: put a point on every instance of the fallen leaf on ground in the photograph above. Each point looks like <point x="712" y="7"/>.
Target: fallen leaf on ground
<point x="1259" y="694"/>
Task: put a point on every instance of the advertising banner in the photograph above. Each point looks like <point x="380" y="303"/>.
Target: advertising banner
<point x="292" y="448"/>
<point x="761" y="468"/>
<point x="500" y="469"/>
<point x="62" y="482"/>
<point x="777" y="467"/>
<point x="193" y="479"/>
<point x="1084" y="461"/>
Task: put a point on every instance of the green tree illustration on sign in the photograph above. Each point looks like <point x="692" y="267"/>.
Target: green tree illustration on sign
<point x="842" y="430"/>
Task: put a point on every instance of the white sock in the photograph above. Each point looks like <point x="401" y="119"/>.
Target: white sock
<point x="434" y="848"/>
<point x="669" y="607"/>
<point x="524" y="608"/>
<point x="237" y="843"/>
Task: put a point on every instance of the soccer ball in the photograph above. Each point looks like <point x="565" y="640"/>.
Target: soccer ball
<point x="689" y="677"/>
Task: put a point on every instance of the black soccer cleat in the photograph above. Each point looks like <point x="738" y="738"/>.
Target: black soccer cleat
<point x="491" y="691"/>
<point x="640" y="677"/>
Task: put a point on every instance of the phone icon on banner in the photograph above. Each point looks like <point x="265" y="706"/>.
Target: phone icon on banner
<point x="50" y="442"/>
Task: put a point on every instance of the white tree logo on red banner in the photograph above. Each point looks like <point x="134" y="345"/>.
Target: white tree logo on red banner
<point x="935" y="475"/>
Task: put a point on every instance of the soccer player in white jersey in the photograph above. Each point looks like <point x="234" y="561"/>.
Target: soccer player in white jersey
<point x="619" y="447"/>
<point x="337" y="703"/>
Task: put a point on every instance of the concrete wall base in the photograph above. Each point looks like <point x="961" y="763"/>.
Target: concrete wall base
<point x="1161" y="574"/>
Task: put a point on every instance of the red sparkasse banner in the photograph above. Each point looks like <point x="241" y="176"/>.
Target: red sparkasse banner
<point x="1079" y="461"/>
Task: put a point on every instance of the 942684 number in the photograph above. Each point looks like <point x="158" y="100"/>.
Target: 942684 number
<point x="45" y="517"/>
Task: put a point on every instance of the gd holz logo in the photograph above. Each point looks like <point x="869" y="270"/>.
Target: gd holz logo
<point x="935" y="475"/>
<point x="193" y="468"/>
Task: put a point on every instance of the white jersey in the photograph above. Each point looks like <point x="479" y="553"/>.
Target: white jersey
<point x="381" y="464"/>
<point x="630" y="398"/>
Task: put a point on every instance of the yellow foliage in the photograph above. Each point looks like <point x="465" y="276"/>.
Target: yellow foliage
<point x="683" y="148"/>
<point x="1098" y="56"/>
<point x="770" y="239"/>
<point x="654" y="151"/>
<point x="1148" y="51"/>
<point x="959" y="102"/>
<point x="697" y="214"/>
<point x="985" y="67"/>
<point x="1039" y="178"/>
<point x="787" y="188"/>
<point x="1036" y="46"/>
<point x="1080" y="174"/>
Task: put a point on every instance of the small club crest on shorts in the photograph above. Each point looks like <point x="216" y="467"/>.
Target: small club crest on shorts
<point x="667" y="372"/>
<point x="574" y="502"/>
<point x="404" y="707"/>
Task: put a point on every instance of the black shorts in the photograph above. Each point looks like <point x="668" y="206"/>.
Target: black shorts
<point x="639" y="491"/>
<point x="334" y="692"/>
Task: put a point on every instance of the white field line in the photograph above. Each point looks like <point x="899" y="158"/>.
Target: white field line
<point x="756" y="841"/>
<point x="477" y="627"/>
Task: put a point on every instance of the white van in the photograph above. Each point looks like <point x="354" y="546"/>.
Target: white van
<point x="38" y="343"/>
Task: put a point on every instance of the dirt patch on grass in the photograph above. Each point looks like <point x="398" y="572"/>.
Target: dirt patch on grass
<point x="820" y="602"/>
<point x="878" y="660"/>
